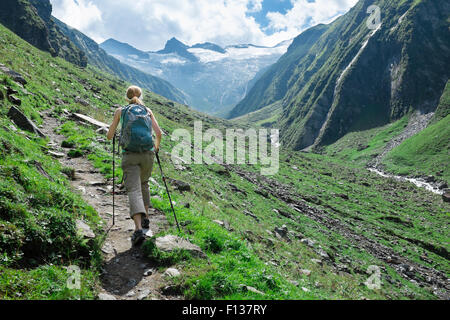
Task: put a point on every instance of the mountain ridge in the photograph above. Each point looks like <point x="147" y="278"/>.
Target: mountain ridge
<point x="213" y="78"/>
<point x="99" y="58"/>
<point x="30" y="19"/>
<point x="355" y="78"/>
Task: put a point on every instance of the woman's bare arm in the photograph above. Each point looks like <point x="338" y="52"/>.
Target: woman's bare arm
<point x="157" y="130"/>
<point x="115" y="123"/>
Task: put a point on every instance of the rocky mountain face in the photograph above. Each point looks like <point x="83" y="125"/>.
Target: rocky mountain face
<point x="30" y="19"/>
<point x="177" y="47"/>
<point x="273" y="84"/>
<point x="99" y="58"/>
<point x="355" y="77"/>
<point x="213" y="78"/>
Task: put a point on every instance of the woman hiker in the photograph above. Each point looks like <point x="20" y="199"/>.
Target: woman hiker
<point x="137" y="164"/>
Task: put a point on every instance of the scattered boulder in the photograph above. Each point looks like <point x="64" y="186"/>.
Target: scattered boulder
<point x="282" y="232"/>
<point x="180" y="185"/>
<point x="17" y="77"/>
<point x="442" y="185"/>
<point x="446" y="195"/>
<point x="154" y="182"/>
<point x="262" y="192"/>
<point x="105" y="296"/>
<point x="85" y="230"/>
<point x="59" y="102"/>
<point x="39" y="168"/>
<point x="343" y="196"/>
<point x="102" y="130"/>
<point x="284" y="213"/>
<point x="179" y="167"/>
<point x="107" y="248"/>
<point x="322" y="253"/>
<point x="248" y="213"/>
<point x="223" y="172"/>
<point x="310" y="243"/>
<point x="67" y="144"/>
<point x="14" y="100"/>
<point x="362" y="147"/>
<point x="295" y="283"/>
<point x="172" y="273"/>
<point x="10" y="91"/>
<point x="169" y="243"/>
<point x="149" y="272"/>
<point x="56" y="154"/>
<point x="90" y="120"/>
<point x="144" y="294"/>
<point x="305" y="272"/>
<point x="236" y="189"/>
<point x="81" y="101"/>
<point x="220" y="223"/>
<point x="130" y="294"/>
<point x="224" y="224"/>
<point x="97" y="183"/>
<point x="251" y="289"/>
<point x="23" y="122"/>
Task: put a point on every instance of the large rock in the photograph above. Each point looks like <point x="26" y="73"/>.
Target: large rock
<point x="92" y="121"/>
<point x="446" y="195"/>
<point x="23" y="122"/>
<point x="14" y="100"/>
<point x="172" y="273"/>
<point x="282" y="232"/>
<point x="17" y="77"/>
<point x="105" y="296"/>
<point x="169" y="243"/>
<point x="85" y="230"/>
<point x="180" y="185"/>
<point x="82" y="101"/>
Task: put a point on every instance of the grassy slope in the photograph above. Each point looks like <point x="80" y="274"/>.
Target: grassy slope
<point x="247" y="255"/>
<point x="426" y="153"/>
<point x="423" y="154"/>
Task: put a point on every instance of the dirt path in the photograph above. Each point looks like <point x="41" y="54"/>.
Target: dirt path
<point x="126" y="273"/>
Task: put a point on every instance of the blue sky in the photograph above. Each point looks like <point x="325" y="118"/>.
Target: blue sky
<point x="281" y="6"/>
<point x="148" y="24"/>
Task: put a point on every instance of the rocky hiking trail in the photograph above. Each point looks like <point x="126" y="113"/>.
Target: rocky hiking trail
<point x="126" y="273"/>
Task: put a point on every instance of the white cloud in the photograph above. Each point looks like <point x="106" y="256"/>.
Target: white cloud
<point x="80" y="14"/>
<point x="303" y="15"/>
<point x="148" y="24"/>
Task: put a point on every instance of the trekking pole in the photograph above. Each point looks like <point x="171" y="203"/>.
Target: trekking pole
<point x="114" y="178"/>
<point x="167" y="189"/>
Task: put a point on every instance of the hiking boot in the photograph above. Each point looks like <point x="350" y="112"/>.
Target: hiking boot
<point x="145" y="222"/>
<point x="137" y="237"/>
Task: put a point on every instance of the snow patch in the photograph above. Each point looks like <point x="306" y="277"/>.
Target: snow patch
<point x="173" y="61"/>
<point x="239" y="53"/>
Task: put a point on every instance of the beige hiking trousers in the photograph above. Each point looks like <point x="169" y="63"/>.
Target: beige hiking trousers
<point x="137" y="170"/>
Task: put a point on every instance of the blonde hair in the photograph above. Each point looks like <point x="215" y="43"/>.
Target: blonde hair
<point x="134" y="94"/>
